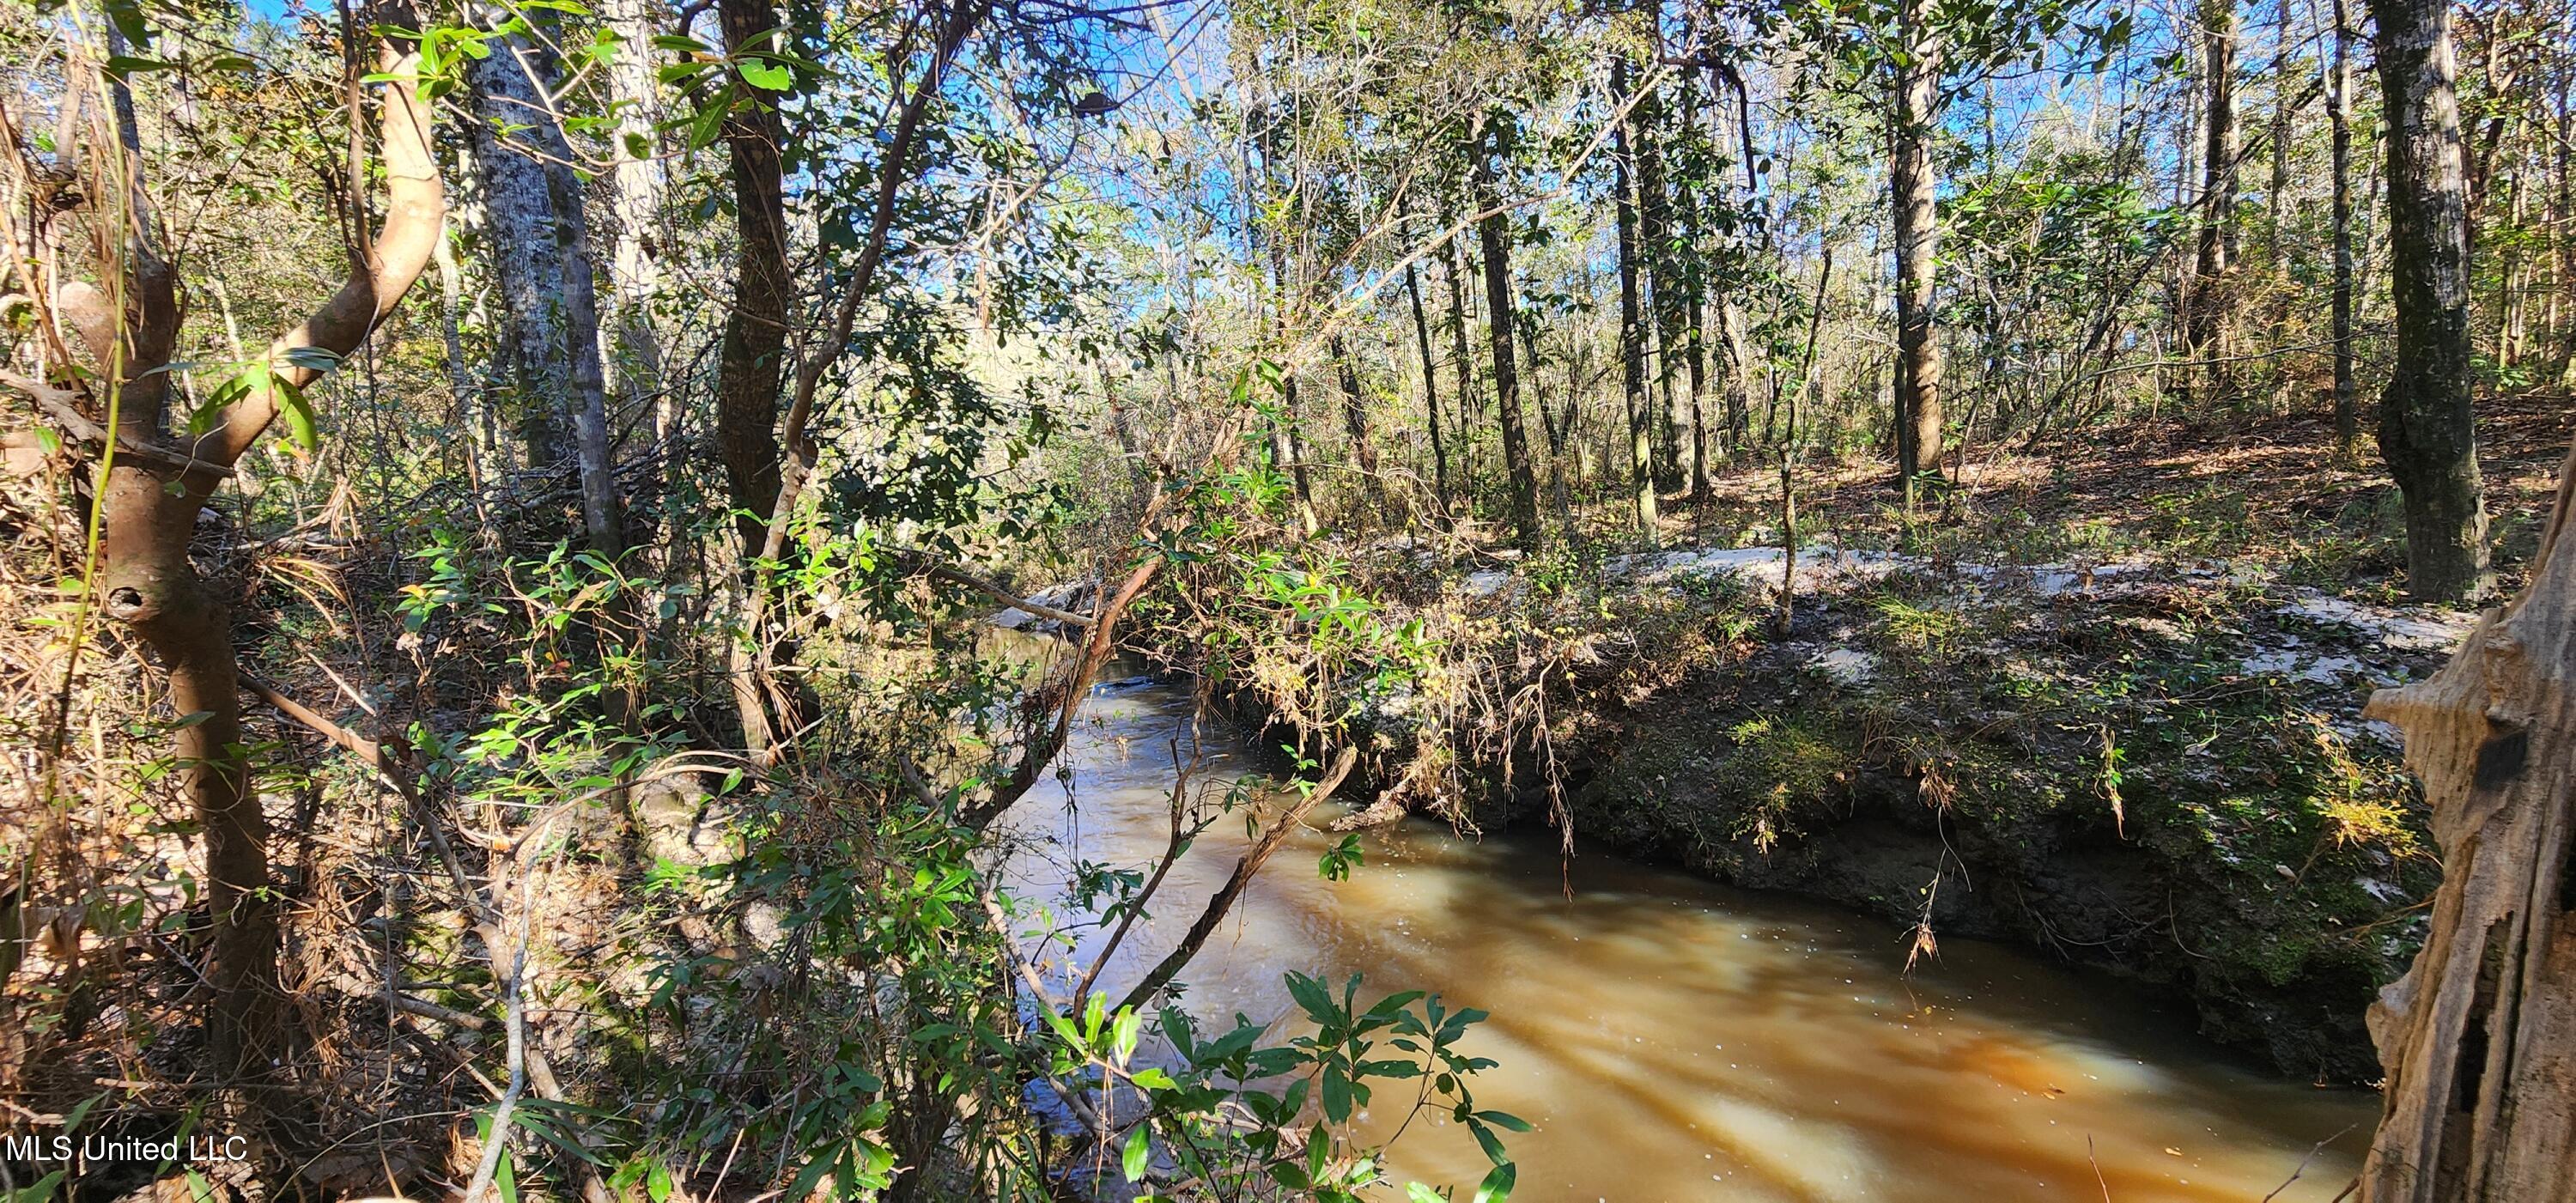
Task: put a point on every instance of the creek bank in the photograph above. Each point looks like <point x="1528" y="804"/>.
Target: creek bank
<point x="2156" y="769"/>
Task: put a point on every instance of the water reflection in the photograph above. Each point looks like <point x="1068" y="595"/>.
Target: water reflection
<point x="1676" y="1040"/>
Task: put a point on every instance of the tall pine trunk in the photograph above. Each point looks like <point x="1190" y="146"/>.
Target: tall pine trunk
<point x="2427" y="430"/>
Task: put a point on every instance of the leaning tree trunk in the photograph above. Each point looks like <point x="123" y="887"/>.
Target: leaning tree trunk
<point x="2427" y="430"/>
<point x="2479" y="1038"/>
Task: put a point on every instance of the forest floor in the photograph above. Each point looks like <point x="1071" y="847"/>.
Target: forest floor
<point x="2216" y="489"/>
<point x="2104" y="697"/>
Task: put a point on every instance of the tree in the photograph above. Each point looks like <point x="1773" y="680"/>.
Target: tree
<point x="2427" y="430"/>
<point x="1430" y="398"/>
<point x="1912" y="186"/>
<point x="2347" y="409"/>
<point x="2214" y="266"/>
<point x="1632" y="318"/>
<point x="752" y="361"/>
<point x="534" y="207"/>
<point x="1494" y="240"/>
<point x="161" y="476"/>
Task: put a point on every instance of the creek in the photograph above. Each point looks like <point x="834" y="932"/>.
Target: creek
<point x="1673" y="1039"/>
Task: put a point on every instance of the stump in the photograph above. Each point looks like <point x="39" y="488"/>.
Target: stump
<point x="2479" y="1037"/>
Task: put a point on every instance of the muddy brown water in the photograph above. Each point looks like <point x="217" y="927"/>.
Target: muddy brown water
<point x="1674" y="1039"/>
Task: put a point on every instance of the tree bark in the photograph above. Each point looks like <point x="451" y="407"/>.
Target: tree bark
<point x="1662" y="294"/>
<point x="1493" y="237"/>
<point x="2347" y="406"/>
<point x="2214" y="267"/>
<point x="1430" y="398"/>
<point x="1355" y="424"/>
<point x="2427" y="430"/>
<point x="752" y="360"/>
<point x="541" y="241"/>
<point x="637" y="364"/>
<point x="1912" y="186"/>
<point x="2479" y="1037"/>
<point x="1642" y="465"/>
<point x="1462" y="360"/>
<point x="150" y="509"/>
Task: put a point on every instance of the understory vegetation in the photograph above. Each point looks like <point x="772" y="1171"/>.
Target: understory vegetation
<point x="505" y="510"/>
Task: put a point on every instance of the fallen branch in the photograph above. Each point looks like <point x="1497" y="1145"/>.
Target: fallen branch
<point x="57" y="402"/>
<point x="1244" y="870"/>
<point x="948" y="572"/>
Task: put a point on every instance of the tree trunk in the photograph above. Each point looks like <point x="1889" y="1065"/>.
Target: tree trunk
<point x="147" y="581"/>
<point x="1493" y="237"/>
<point x="752" y="360"/>
<point x="1463" y="360"/>
<point x="2479" y="1037"/>
<point x="1662" y="293"/>
<point x="637" y="365"/>
<point x="2427" y="431"/>
<point x="1695" y="313"/>
<point x="1912" y="186"/>
<point x="541" y="237"/>
<point x="2213" y="270"/>
<point x="1430" y="398"/>
<point x="2347" y="407"/>
<point x="1355" y="424"/>
<point x="1632" y="320"/>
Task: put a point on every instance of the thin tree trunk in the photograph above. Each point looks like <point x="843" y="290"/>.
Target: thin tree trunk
<point x="2213" y="271"/>
<point x="2347" y="407"/>
<point x="1463" y="361"/>
<point x="1654" y="261"/>
<point x="1912" y="186"/>
<point x="1493" y="236"/>
<point x="1632" y="320"/>
<point x="752" y="359"/>
<point x="1430" y="398"/>
<point x="1355" y="423"/>
<point x="1695" y="313"/>
<point x="2427" y="429"/>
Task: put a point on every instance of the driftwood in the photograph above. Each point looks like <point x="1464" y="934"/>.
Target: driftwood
<point x="2479" y="1037"/>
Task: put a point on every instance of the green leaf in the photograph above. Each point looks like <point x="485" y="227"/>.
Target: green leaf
<point x="770" y="76"/>
<point x="1505" y="1120"/>
<point x="1138" y="1152"/>
<point x="1497" y="1185"/>
<point x="1337" y="1094"/>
